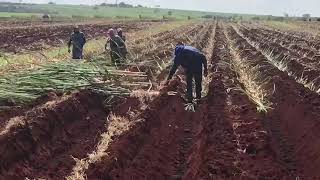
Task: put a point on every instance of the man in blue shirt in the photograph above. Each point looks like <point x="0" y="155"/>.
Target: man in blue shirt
<point x="77" y="40"/>
<point x="193" y="62"/>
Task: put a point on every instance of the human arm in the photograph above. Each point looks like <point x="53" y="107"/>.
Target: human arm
<point x="172" y="70"/>
<point x="121" y="43"/>
<point x="84" y="39"/>
<point x="177" y="61"/>
<point x="122" y="47"/>
<point x="69" y="44"/>
<point x="107" y="44"/>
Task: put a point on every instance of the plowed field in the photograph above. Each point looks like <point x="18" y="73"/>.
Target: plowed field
<point x="257" y="119"/>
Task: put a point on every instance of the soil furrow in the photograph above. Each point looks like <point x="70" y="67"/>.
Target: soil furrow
<point x="237" y="146"/>
<point x="42" y="142"/>
<point x="163" y="142"/>
<point x="286" y="60"/>
<point x="295" y="117"/>
<point x="256" y="158"/>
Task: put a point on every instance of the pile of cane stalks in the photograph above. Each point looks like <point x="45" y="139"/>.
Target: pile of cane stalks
<point x="25" y="86"/>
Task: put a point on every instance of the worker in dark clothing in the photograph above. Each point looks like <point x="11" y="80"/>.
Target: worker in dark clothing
<point x="77" y="40"/>
<point x="120" y="34"/>
<point x="117" y="46"/>
<point x="193" y="62"/>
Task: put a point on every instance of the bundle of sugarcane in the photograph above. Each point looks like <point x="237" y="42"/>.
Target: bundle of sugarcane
<point x="25" y="86"/>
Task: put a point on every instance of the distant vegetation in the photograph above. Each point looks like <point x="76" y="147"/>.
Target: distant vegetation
<point x="104" y="10"/>
<point x="20" y="8"/>
<point x="121" y="4"/>
<point x="287" y="17"/>
<point x="128" y="11"/>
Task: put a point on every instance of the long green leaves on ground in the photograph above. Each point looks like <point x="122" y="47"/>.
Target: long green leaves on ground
<point x="25" y="86"/>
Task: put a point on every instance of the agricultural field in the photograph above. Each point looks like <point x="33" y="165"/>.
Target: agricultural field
<point x="8" y="14"/>
<point x="67" y="119"/>
<point x="32" y="38"/>
<point x="309" y="28"/>
<point x="85" y="11"/>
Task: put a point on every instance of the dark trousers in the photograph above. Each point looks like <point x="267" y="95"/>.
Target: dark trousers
<point x="198" y="81"/>
<point x="115" y="58"/>
<point x="77" y="53"/>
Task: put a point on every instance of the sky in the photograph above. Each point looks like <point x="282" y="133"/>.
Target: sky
<point x="265" y="7"/>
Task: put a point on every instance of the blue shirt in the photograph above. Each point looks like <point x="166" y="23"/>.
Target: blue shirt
<point x="190" y="58"/>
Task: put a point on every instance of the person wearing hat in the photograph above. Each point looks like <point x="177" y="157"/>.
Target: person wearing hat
<point x="117" y="46"/>
<point x="195" y="65"/>
<point x="77" y="40"/>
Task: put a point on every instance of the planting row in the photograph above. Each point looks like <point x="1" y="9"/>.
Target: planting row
<point x="35" y="146"/>
<point x="285" y="59"/>
<point x="294" y="114"/>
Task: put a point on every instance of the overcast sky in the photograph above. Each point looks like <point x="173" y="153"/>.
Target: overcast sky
<point x="273" y="7"/>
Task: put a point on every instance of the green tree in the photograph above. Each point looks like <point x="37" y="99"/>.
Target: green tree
<point x="306" y="17"/>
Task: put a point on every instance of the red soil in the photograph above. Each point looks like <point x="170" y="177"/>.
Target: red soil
<point x="293" y="122"/>
<point x="163" y="139"/>
<point x="238" y="145"/>
<point x="13" y="110"/>
<point x="43" y="146"/>
<point x="174" y="144"/>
